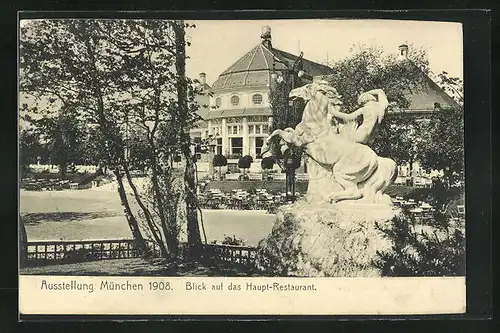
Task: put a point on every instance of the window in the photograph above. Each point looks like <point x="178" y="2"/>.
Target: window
<point x="259" y="142"/>
<point x="250" y="129"/>
<point x="218" y="102"/>
<point x="236" y="146"/>
<point x="219" y="146"/>
<point x="233" y="130"/>
<point x="235" y="100"/>
<point x="264" y="129"/>
<point x="257" y="99"/>
<point x="257" y="129"/>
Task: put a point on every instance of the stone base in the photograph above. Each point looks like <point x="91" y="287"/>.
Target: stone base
<point x="335" y="240"/>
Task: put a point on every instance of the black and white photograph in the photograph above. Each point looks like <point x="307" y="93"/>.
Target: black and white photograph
<point x="293" y="151"/>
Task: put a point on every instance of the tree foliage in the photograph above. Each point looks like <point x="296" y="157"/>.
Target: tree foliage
<point x="285" y="113"/>
<point x="398" y="137"/>
<point x="437" y="143"/>
<point x="434" y="249"/>
<point x="267" y="163"/>
<point x="29" y="150"/>
<point x="453" y="86"/>
<point x="124" y="81"/>
<point x="64" y="136"/>
<point x="369" y="68"/>
<point x="244" y="162"/>
<point x="442" y="144"/>
<point x="219" y="161"/>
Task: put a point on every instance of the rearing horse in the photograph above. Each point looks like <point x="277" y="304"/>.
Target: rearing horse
<point x="355" y="167"/>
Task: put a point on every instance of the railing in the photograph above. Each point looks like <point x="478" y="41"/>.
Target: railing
<point x="55" y="168"/>
<point x="44" y="252"/>
<point x="279" y="176"/>
<point x="233" y="176"/>
<point x="229" y="254"/>
<point x="302" y="177"/>
<point x="59" y="252"/>
<point x="254" y="176"/>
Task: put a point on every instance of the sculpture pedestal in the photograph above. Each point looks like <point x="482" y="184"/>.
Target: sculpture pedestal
<point x="319" y="240"/>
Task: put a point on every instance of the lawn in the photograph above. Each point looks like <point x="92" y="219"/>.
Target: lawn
<point x="136" y="267"/>
<point x="97" y="214"/>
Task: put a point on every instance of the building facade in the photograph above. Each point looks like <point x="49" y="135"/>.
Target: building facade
<point x="239" y="115"/>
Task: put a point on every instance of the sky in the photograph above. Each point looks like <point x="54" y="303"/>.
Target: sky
<point x="215" y="45"/>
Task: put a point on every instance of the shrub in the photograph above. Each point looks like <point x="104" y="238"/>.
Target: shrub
<point x="267" y="163"/>
<point x="244" y="162"/>
<point x="434" y="249"/>
<point x="228" y="240"/>
<point x="219" y="161"/>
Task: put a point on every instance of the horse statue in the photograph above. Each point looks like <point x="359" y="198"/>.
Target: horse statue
<point x="343" y="166"/>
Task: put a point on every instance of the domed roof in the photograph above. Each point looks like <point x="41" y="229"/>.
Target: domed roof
<point x="253" y="70"/>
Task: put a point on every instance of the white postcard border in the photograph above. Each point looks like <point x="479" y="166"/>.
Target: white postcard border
<point x="327" y="296"/>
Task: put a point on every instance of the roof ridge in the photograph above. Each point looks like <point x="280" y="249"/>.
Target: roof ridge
<point x="263" y="55"/>
<point x="250" y="64"/>
<point x="451" y="100"/>
<point x="237" y="62"/>
<point x="252" y="58"/>
<point x="303" y="59"/>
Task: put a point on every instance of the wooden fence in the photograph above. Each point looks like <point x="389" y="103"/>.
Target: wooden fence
<point x="230" y="254"/>
<point x="44" y="252"/>
<point x="58" y="252"/>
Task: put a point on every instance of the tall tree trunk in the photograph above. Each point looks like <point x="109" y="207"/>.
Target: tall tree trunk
<point x="139" y="241"/>
<point x="193" y="229"/>
<point x="411" y="171"/>
<point x="147" y="214"/>
<point x="167" y="226"/>
<point x="62" y="163"/>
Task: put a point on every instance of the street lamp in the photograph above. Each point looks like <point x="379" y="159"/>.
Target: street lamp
<point x="286" y="80"/>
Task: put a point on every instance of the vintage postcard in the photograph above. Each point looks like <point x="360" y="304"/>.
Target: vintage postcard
<point x="258" y="167"/>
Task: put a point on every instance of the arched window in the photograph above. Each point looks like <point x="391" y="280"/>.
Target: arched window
<point x="218" y="102"/>
<point x="235" y="100"/>
<point x="257" y="99"/>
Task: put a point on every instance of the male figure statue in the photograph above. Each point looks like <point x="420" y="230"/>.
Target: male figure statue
<point x="373" y="104"/>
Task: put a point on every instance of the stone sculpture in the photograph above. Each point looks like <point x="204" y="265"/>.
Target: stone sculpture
<point x="314" y="237"/>
<point x="343" y="166"/>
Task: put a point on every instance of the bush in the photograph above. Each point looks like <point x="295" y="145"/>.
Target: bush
<point x="434" y="249"/>
<point x="219" y="161"/>
<point x="228" y="240"/>
<point x="267" y="163"/>
<point x="245" y="162"/>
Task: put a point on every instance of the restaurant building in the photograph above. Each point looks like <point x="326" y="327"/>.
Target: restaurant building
<point x="238" y="115"/>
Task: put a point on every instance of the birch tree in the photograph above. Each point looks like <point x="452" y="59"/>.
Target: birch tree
<point x="121" y="76"/>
